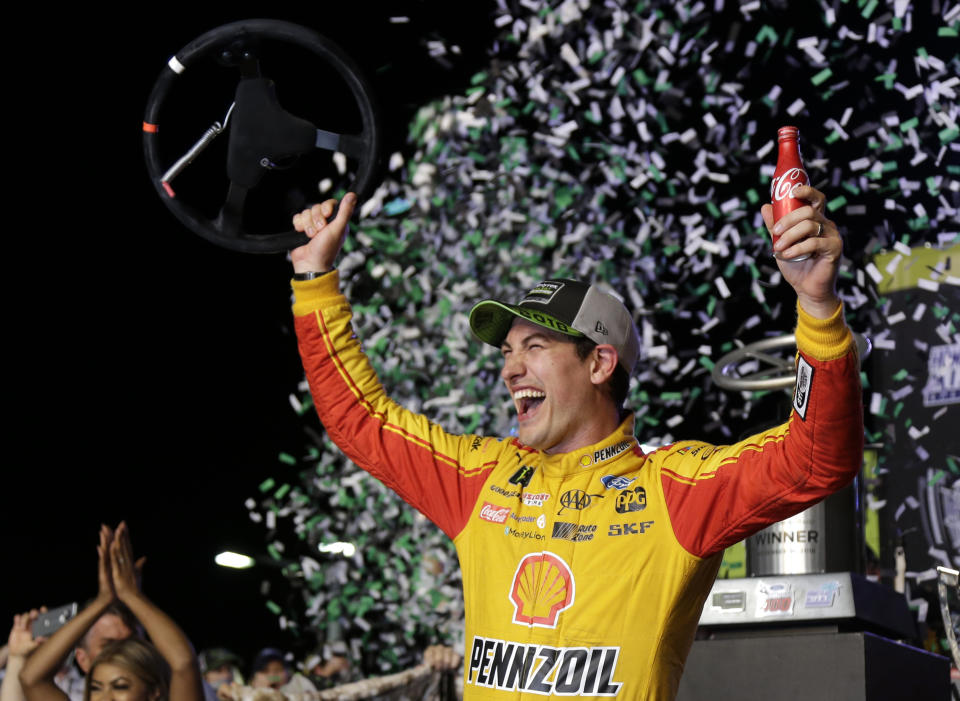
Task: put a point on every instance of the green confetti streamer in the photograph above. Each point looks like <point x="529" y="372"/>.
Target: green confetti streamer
<point x="821" y="76"/>
<point x="909" y="124"/>
<point x="287" y="458"/>
<point x="267" y="484"/>
<point x="949" y="134"/>
<point x="868" y="10"/>
<point x="274" y="609"/>
<point x="282" y="492"/>
<point x="900" y="375"/>
<point x="766" y="32"/>
<point x="888" y="79"/>
<point x="936" y="477"/>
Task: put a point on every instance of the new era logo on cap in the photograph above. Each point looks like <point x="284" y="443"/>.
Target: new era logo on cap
<point x="601" y="328"/>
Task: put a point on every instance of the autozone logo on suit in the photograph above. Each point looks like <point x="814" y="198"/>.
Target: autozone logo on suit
<point x="576" y="532"/>
<point x="494" y="513"/>
<point x="543" y="669"/>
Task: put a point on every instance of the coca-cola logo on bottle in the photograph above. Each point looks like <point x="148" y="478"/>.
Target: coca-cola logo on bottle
<point x="493" y="513"/>
<point x="784" y="185"/>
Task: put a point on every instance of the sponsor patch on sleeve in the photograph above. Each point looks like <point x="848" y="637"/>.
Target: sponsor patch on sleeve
<point x="801" y="393"/>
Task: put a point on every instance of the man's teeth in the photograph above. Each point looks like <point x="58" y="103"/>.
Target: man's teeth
<point x="529" y="394"/>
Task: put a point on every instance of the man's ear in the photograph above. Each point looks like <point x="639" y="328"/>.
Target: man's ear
<point x="603" y="363"/>
<point x="83" y="658"/>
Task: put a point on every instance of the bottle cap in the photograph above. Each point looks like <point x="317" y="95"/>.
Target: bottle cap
<point x="787" y="133"/>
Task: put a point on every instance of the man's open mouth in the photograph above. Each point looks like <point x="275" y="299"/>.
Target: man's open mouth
<point x="527" y="402"/>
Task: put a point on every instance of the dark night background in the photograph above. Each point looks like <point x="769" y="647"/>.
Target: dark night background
<point x="150" y="370"/>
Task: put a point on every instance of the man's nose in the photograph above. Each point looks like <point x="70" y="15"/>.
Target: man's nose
<point x="512" y="367"/>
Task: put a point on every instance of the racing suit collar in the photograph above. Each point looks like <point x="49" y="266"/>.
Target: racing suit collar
<point x="619" y="443"/>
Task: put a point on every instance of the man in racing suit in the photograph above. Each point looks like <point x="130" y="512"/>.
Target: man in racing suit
<point x="585" y="562"/>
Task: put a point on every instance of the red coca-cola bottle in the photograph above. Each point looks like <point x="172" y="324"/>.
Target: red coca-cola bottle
<point x="788" y="176"/>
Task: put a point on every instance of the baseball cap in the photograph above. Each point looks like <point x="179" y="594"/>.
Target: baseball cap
<point x="217" y="657"/>
<point x="267" y="655"/>
<point x="570" y="307"/>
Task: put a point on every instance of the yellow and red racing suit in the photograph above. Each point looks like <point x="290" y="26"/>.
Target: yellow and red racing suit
<point x="584" y="573"/>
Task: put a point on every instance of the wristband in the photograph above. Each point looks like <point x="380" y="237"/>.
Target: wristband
<point x="311" y="275"/>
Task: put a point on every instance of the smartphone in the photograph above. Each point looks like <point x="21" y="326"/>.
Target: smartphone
<point x="51" y="621"/>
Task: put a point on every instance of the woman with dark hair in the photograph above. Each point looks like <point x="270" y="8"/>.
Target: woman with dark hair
<point x="124" y="670"/>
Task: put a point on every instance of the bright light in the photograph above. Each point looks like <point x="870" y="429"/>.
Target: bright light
<point x="345" y="549"/>
<point x="235" y="560"/>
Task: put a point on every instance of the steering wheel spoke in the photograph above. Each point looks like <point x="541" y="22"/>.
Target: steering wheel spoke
<point x="230" y="218"/>
<point x="350" y="145"/>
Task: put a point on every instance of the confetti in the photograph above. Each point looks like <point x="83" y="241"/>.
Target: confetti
<point x="631" y="147"/>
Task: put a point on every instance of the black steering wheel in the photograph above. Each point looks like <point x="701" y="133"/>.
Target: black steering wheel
<point x="277" y="162"/>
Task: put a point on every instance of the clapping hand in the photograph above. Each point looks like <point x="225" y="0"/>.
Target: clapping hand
<point x="124" y="570"/>
<point x="118" y="573"/>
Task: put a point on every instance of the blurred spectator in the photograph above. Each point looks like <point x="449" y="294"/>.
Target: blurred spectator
<point x="115" y="623"/>
<point x="221" y="670"/>
<point x="441" y="657"/>
<point x="20" y="645"/>
<point x="131" y="668"/>
<point x="269" y="670"/>
<point x="329" y="666"/>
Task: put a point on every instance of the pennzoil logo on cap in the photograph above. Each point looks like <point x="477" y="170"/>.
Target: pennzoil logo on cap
<point x="542" y="587"/>
<point x="543" y="293"/>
